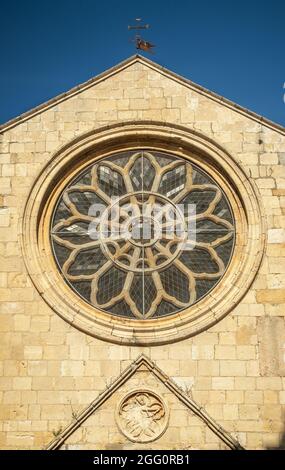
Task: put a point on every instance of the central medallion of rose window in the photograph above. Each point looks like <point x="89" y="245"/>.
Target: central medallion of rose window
<point x="142" y="234"/>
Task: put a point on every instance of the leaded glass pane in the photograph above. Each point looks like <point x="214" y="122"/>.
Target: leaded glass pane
<point x="125" y="240"/>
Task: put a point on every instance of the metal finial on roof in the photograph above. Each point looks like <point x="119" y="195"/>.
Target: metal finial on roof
<point x="141" y="43"/>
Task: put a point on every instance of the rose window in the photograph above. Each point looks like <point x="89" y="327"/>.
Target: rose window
<point x="142" y="234"/>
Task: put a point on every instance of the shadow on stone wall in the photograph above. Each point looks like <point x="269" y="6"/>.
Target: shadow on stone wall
<point x="281" y="445"/>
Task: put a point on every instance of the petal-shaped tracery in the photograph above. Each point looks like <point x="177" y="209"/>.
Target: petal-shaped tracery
<point x="142" y="234"/>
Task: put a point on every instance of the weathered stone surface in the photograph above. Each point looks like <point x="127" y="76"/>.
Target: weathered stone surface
<point x="271" y="296"/>
<point x="271" y="333"/>
<point x="50" y="370"/>
<point x="107" y="428"/>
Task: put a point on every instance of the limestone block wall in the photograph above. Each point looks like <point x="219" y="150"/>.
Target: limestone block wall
<point x="235" y="370"/>
<point x="183" y="431"/>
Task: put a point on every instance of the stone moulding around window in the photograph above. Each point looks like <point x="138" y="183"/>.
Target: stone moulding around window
<point x="75" y="156"/>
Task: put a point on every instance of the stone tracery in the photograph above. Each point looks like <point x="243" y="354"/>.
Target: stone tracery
<point x="151" y="274"/>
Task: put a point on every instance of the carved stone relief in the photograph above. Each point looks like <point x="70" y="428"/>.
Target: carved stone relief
<point x="142" y="416"/>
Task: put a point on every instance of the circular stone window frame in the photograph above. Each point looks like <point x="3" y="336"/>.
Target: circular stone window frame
<point x="77" y="155"/>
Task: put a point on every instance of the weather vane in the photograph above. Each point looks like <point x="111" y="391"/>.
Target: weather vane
<point x="138" y="40"/>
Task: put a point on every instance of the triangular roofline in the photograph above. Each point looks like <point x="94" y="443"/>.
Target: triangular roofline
<point x="164" y="71"/>
<point x="143" y="362"/>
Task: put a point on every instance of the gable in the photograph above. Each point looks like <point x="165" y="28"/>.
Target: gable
<point x="135" y="90"/>
<point x="116" y="419"/>
<point x="149" y="71"/>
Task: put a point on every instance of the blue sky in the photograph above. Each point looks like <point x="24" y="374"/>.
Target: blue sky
<point x="233" y="48"/>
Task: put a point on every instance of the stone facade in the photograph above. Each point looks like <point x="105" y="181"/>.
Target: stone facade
<point x="177" y="422"/>
<point x="49" y="369"/>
